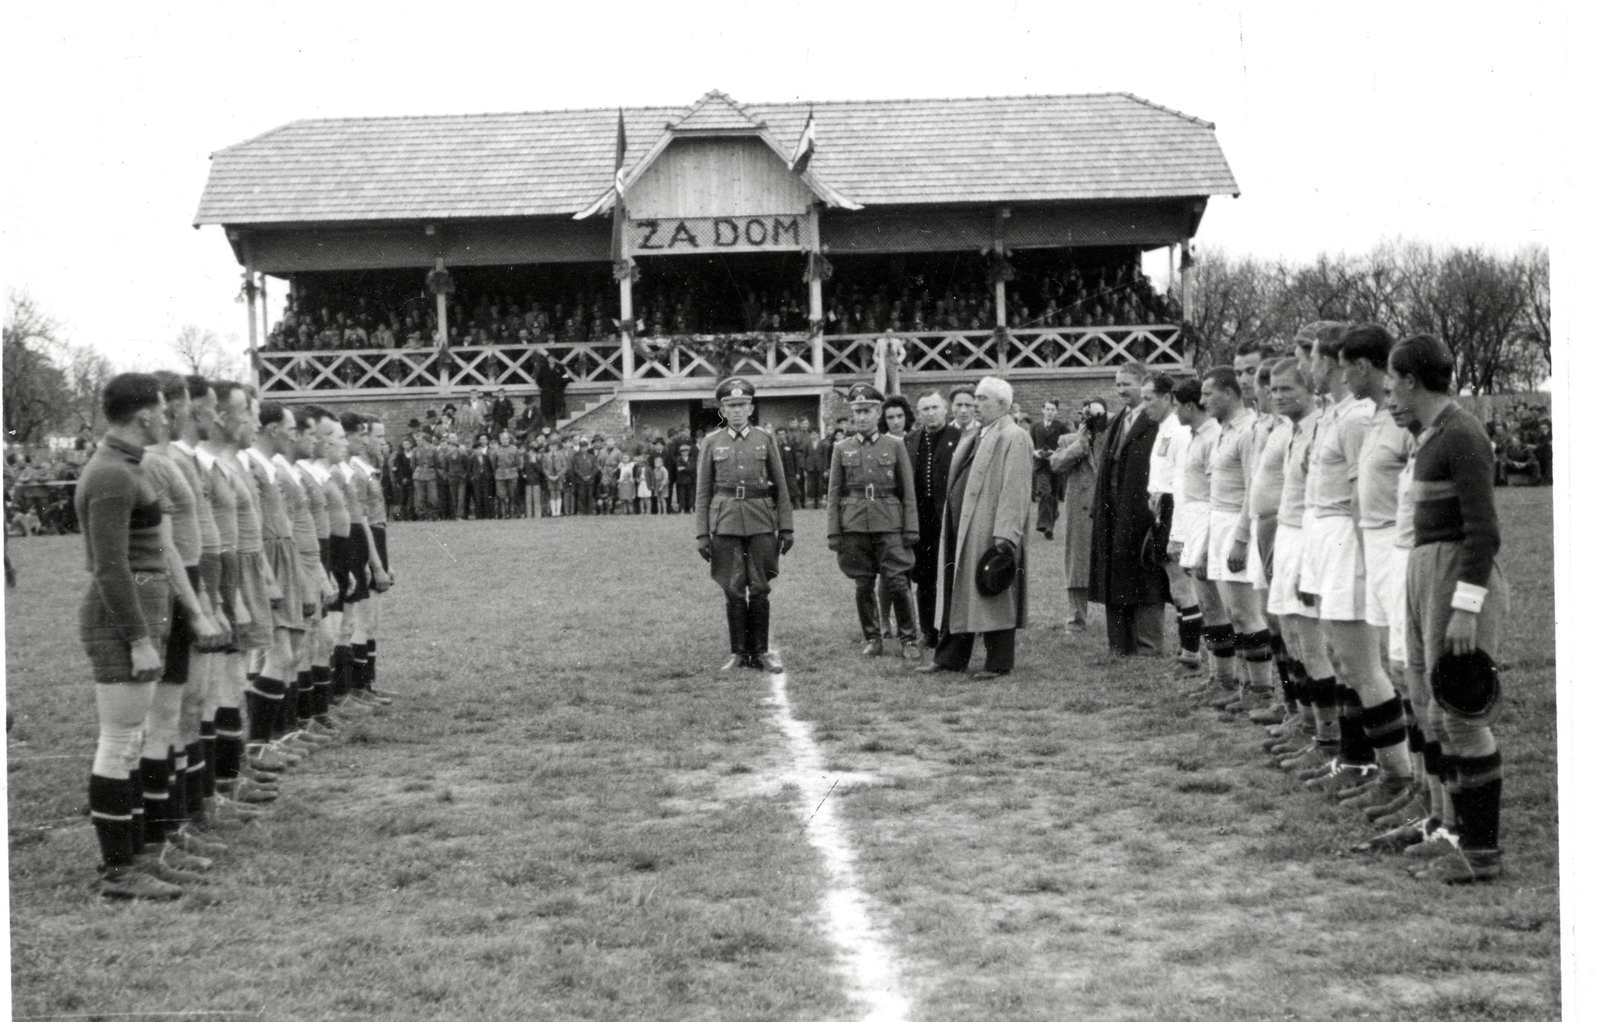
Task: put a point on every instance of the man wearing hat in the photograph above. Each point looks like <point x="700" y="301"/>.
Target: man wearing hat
<point x="872" y="520"/>
<point x="743" y="522"/>
<point x="985" y="539"/>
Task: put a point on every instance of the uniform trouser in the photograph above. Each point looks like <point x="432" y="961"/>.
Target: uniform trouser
<point x="863" y="557"/>
<point x="427" y="500"/>
<point x="1045" y="492"/>
<point x="685" y="493"/>
<point x="533" y="500"/>
<point x="506" y="494"/>
<point x="816" y="487"/>
<point x="458" y="496"/>
<point x="583" y="496"/>
<point x="744" y="566"/>
<point x="1135" y="629"/>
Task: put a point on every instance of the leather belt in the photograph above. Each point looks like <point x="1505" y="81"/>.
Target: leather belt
<point x="742" y="491"/>
<point x="871" y="491"/>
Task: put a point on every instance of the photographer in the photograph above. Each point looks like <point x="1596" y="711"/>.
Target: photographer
<point x="1075" y="464"/>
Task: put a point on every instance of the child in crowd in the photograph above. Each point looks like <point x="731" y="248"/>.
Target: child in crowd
<point x="646" y="496"/>
<point x="627" y="491"/>
<point x="661" y="487"/>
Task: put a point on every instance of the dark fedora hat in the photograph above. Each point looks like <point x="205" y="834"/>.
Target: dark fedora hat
<point x="1468" y="685"/>
<point x="997" y="569"/>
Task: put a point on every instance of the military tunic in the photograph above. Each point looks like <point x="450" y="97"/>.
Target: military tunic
<point x="872" y="519"/>
<point x="741" y="506"/>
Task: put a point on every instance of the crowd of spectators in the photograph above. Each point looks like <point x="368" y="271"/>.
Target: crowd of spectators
<point x="1108" y="295"/>
<point x="39" y="485"/>
<point x="1523" y="445"/>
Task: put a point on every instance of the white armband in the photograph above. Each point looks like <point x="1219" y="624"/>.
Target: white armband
<point x="1468" y="597"/>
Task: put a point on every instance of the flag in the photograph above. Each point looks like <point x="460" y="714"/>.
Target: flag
<point x="806" y="146"/>
<point x="617" y="212"/>
<point x="622" y="149"/>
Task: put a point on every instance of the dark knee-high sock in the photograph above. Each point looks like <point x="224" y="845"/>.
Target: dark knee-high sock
<point x="177" y="787"/>
<point x="1190" y="625"/>
<point x="1477" y="800"/>
<point x="304" y="703"/>
<point x="321" y="690"/>
<point x="135" y="833"/>
<point x="208" y="758"/>
<point x="262" y="699"/>
<point x="340" y="667"/>
<point x="230" y="743"/>
<point x="372" y="662"/>
<point x="155" y="777"/>
<point x="194" y="780"/>
<point x="111" y="810"/>
<point x="1384" y="726"/>
<point x="1354" y="748"/>
<point x="358" y="666"/>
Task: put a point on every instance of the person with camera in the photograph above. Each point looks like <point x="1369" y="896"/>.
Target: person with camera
<point x="1075" y="463"/>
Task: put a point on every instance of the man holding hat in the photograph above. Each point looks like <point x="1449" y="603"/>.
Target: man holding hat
<point x="743" y="522"/>
<point x="872" y="520"/>
<point x="985" y="539"/>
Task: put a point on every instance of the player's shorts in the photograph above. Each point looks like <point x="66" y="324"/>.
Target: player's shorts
<point x="1332" y="568"/>
<point x="1220" y="544"/>
<point x="110" y="655"/>
<point x="180" y="636"/>
<point x="284" y="561"/>
<point x="1288" y="551"/>
<point x="1385" y="577"/>
<point x="357" y="562"/>
<point x="253" y="590"/>
<point x="1254" y="567"/>
<point x="1191" y="525"/>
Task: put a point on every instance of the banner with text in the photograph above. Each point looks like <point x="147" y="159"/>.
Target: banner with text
<point x="783" y="232"/>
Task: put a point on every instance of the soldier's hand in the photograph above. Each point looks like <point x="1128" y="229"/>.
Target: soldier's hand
<point x="833" y="543"/>
<point x="705" y="548"/>
<point x="785" y="542"/>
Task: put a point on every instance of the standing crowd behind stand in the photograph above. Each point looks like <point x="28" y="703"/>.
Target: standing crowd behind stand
<point x="347" y="321"/>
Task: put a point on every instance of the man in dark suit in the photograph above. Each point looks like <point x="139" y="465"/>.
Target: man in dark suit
<point x="1132" y="587"/>
<point x="501" y="411"/>
<point x="930" y="446"/>
<point x="1047" y="434"/>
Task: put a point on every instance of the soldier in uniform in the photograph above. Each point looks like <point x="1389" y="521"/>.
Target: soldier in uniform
<point x="425" y="475"/>
<point x="872" y="520"/>
<point x="743" y="522"/>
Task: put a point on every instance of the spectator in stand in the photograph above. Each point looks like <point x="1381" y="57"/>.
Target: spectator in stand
<point x="501" y="411"/>
<point x="530" y="420"/>
<point x="472" y="417"/>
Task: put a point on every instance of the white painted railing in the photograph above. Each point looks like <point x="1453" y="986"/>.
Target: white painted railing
<point x="659" y="361"/>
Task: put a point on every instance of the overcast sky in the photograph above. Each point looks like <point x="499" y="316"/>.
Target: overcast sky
<point x="1382" y="119"/>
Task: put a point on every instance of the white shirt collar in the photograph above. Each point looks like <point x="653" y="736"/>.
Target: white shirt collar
<point x="361" y="462"/>
<point x="320" y="474"/>
<point x="205" y="458"/>
<point x="262" y="460"/>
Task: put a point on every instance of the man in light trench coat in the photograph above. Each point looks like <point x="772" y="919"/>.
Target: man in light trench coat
<point x="990" y="498"/>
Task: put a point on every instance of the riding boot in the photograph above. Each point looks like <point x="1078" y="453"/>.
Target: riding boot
<point x="738" y="626"/>
<point x="756" y="622"/>
<point x="867" y="609"/>
<point x="905" y="613"/>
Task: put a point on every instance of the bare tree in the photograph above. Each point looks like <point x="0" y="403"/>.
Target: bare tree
<point x="86" y="372"/>
<point x="203" y="353"/>
<point x="34" y="387"/>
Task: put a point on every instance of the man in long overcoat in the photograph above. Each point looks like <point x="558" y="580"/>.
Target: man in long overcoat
<point x="1132" y="587"/>
<point x="930" y="446"/>
<point x="987" y="507"/>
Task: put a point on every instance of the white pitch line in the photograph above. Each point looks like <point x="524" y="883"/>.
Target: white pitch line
<point x="866" y="959"/>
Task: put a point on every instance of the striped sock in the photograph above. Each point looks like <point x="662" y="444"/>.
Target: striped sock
<point x="1190" y="625"/>
<point x="135" y="834"/>
<point x="1219" y="643"/>
<point x="194" y="781"/>
<point x="1257" y="650"/>
<point x="155" y="777"/>
<point x="111" y="810"/>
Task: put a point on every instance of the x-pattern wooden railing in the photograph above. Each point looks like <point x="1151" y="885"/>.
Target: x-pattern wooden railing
<point x="420" y="370"/>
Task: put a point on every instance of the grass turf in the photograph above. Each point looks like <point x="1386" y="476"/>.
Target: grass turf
<point x="570" y="814"/>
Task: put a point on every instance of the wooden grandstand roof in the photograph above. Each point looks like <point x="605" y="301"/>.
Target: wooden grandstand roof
<point x="555" y="163"/>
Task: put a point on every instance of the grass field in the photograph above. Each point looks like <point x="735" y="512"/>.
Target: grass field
<point x="571" y="815"/>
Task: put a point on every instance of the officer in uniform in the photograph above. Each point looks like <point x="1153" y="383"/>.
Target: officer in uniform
<point x="743" y="522"/>
<point x="872" y="520"/>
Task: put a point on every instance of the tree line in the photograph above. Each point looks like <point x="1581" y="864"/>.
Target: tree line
<point x="48" y="384"/>
<point x="1492" y="310"/>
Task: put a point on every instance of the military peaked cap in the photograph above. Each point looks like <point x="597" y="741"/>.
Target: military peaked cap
<point x="735" y="386"/>
<point x="865" y="393"/>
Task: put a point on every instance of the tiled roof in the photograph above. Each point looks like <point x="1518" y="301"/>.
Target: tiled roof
<point x="557" y="162"/>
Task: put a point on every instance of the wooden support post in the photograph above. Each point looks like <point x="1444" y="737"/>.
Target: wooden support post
<point x="250" y="304"/>
<point x="1000" y="215"/>
<point x="442" y="333"/>
<point x="816" y="289"/>
<point x="1187" y="292"/>
<point x="625" y="294"/>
